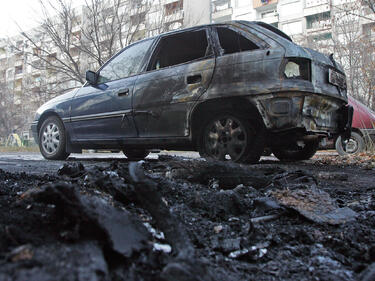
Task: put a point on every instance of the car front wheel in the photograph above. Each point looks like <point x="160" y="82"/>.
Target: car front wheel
<point x="354" y="145"/>
<point x="52" y="139"/>
<point x="230" y="137"/>
<point x="297" y="153"/>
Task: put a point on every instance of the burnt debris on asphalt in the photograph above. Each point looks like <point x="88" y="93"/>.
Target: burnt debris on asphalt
<point x="183" y="219"/>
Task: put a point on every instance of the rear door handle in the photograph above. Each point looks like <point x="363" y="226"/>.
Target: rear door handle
<point x="123" y="92"/>
<point x="194" y="79"/>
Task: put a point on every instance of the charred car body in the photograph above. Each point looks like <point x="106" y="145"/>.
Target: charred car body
<point x="226" y="90"/>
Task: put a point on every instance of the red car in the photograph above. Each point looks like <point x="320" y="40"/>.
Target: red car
<point x="363" y="132"/>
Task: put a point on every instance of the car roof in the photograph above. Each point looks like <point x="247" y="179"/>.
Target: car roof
<point x="232" y="22"/>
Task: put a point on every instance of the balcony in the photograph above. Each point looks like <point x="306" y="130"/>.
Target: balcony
<point x="18" y="62"/>
<point x="318" y="22"/>
<point x="264" y="4"/>
<point x="222" y="15"/>
<point x="221" y="10"/>
<point x="313" y="7"/>
<point x="269" y="17"/>
<point x="315" y="3"/>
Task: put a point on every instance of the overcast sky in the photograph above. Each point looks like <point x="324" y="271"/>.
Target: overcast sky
<point x="23" y="12"/>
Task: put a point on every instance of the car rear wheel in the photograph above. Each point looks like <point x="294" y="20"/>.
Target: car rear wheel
<point x="354" y="145"/>
<point x="136" y="154"/>
<point x="230" y="137"/>
<point x="52" y="139"/>
<point x="297" y="153"/>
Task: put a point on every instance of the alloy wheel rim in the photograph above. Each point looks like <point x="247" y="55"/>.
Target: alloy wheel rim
<point x="226" y="138"/>
<point x="51" y="138"/>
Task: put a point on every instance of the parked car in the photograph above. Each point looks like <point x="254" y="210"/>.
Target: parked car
<point x="363" y="130"/>
<point x="226" y="90"/>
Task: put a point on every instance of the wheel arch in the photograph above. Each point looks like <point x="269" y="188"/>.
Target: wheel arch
<point x="358" y="131"/>
<point x="44" y="116"/>
<point x="206" y="109"/>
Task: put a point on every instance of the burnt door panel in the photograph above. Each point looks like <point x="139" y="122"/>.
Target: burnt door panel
<point x="179" y="72"/>
<point x="163" y="98"/>
<point x="104" y="114"/>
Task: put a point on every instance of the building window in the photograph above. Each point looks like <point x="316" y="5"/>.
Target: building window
<point x="18" y="70"/>
<point x="174" y="7"/>
<point x="220" y="5"/>
<point x="138" y="18"/>
<point x="369" y="29"/>
<point x="322" y="20"/>
<point x="321" y="37"/>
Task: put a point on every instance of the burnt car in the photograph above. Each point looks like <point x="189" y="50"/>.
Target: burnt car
<point x="226" y="90"/>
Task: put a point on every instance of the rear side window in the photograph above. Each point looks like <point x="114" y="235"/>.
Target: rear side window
<point x="234" y="42"/>
<point x="180" y="48"/>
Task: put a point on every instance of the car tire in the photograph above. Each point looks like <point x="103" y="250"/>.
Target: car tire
<point x="355" y="144"/>
<point x="228" y="136"/>
<point x="298" y="154"/>
<point x="136" y="154"/>
<point x="52" y="139"/>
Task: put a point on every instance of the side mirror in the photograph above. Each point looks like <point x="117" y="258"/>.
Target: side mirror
<point x="92" y="77"/>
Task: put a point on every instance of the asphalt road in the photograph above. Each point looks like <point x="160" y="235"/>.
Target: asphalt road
<point x="34" y="163"/>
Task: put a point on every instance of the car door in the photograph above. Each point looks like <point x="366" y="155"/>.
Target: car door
<point x="104" y="111"/>
<point x="178" y="73"/>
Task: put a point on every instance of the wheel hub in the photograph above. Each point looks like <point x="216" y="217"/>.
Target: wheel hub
<point x="351" y="146"/>
<point x="226" y="138"/>
<point x="51" y="138"/>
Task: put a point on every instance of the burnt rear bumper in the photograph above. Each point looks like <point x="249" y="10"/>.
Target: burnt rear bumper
<point x="314" y="114"/>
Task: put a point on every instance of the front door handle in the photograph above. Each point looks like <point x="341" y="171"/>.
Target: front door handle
<point x="194" y="79"/>
<point x="123" y="92"/>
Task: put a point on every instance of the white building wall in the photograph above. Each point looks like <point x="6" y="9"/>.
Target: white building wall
<point x="196" y="12"/>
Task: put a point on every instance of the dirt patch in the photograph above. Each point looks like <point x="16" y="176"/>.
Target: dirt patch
<point x="180" y="219"/>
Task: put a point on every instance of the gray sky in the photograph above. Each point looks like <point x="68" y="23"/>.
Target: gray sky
<point x="21" y="11"/>
<point x="24" y="12"/>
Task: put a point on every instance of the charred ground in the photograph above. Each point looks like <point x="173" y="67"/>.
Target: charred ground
<point x="174" y="218"/>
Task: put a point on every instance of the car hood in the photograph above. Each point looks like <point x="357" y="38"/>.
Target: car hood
<point x="50" y="104"/>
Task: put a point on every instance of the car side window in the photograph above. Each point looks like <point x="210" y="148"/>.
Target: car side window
<point x="125" y="64"/>
<point x="180" y="48"/>
<point x="234" y="42"/>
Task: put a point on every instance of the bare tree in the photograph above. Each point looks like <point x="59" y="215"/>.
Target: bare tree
<point x="367" y="81"/>
<point x="347" y="47"/>
<point x="69" y="40"/>
<point x="11" y="112"/>
<point x="370" y="4"/>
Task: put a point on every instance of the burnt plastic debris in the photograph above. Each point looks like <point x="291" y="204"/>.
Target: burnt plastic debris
<point x="93" y="217"/>
<point x="314" y="204"/>
<point x="72" y="170"/>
